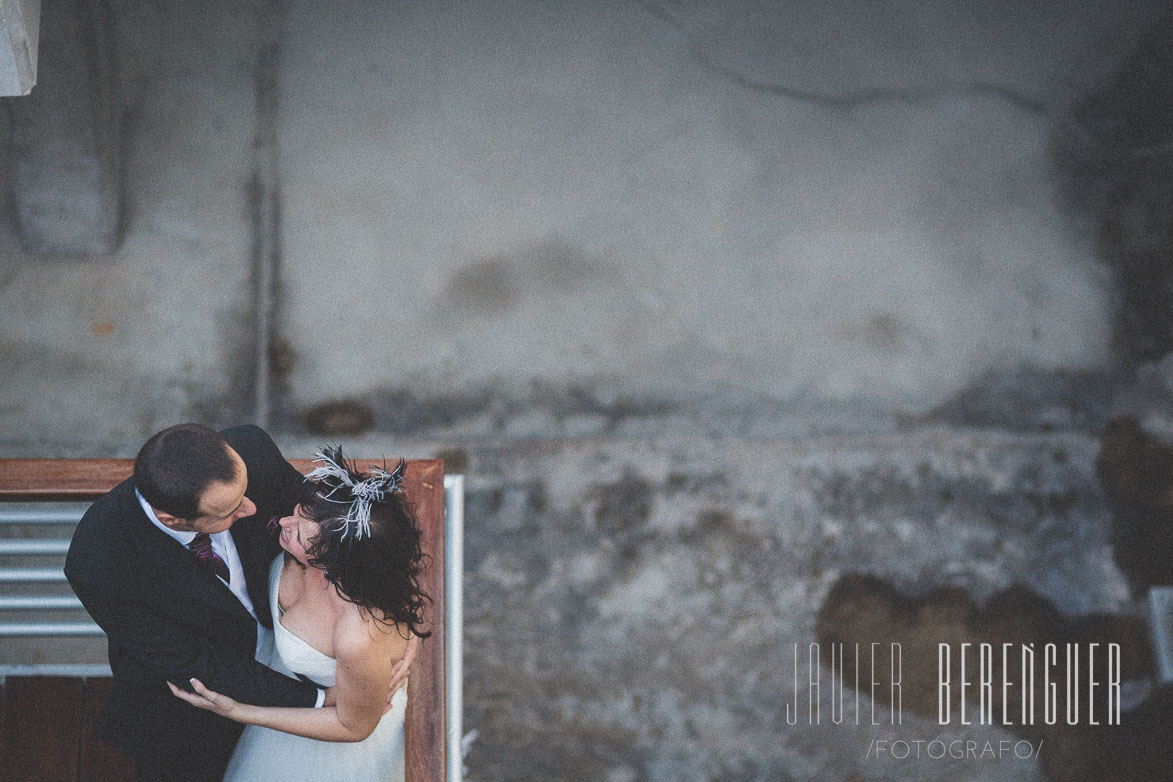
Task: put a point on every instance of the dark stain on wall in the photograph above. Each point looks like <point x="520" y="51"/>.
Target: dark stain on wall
<point x="1115" y="160"/>
<point x="862" y="608"/>
<point x="1135" y="470"/>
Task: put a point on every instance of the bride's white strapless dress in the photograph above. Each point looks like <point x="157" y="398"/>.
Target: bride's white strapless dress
<point x="264" y="755"/>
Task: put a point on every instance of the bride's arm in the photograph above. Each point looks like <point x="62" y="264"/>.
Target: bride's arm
<point x="363" y="676"/>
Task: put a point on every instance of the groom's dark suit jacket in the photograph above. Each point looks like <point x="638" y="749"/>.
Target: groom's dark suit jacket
<point x="168" y="618"/>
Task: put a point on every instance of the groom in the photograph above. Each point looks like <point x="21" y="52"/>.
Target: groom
<point x="173" y="565"/>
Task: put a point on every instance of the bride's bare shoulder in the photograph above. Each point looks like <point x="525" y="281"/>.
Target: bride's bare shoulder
<point x="358" y="634"/>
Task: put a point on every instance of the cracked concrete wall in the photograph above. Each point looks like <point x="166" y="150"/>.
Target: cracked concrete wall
<point x="674" y="203"/>
<point x="578" y="221"/>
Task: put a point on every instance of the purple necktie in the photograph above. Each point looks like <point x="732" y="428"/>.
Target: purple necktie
<point x="201" y="546"/>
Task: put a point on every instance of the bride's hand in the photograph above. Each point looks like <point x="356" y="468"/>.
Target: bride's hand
<point x="204" y="698"/>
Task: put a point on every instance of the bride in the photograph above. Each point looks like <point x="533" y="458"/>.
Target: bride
<point x="346" y="600"/>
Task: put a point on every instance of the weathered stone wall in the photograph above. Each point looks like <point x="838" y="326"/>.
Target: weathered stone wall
<point x="632" y="607"/>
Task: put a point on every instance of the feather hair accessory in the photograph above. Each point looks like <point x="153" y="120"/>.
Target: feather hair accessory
<point x="336" y="477"/>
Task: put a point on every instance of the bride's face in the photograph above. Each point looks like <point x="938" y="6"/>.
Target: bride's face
<point x="297" y="534"/>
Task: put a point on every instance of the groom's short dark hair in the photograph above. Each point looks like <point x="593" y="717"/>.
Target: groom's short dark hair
<point x="175" y="467"/>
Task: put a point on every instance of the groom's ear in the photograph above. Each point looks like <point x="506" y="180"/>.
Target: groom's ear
<point x="169" y="521"/>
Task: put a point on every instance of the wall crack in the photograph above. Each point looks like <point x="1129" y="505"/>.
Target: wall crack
<point x="851" y="100"/>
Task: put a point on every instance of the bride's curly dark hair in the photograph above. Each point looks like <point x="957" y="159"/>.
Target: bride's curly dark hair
<point x="379" y="571"/>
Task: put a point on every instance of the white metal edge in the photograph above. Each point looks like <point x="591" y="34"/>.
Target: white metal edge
<point x="40" y="515"/>
<point x="53" y="629"/>
<point x="18" y="547"/>
<point x="16" y="575"/>
<point x="40" y="603"/>
<point x="70" y="669"/>
<point x="454" y="621"/>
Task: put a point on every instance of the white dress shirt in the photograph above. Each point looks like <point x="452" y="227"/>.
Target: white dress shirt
<point x="222" y="544"/>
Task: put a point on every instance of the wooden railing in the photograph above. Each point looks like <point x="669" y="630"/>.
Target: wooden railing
<point x="73" y="480"/>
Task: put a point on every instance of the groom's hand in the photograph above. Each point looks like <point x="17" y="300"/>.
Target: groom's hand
<point x="401" y="669"/>
<point x="331" y="697"/>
